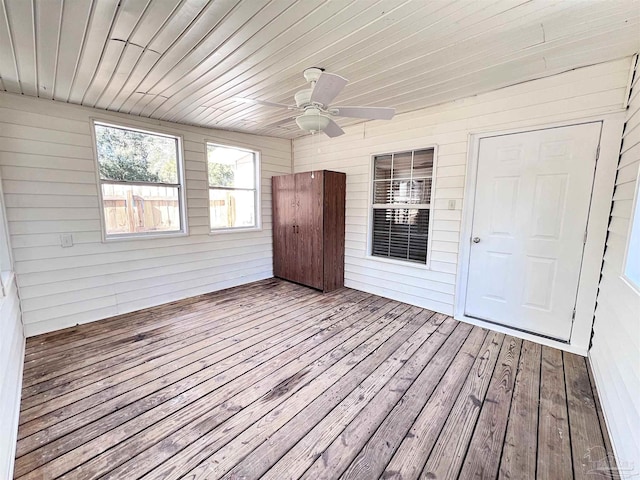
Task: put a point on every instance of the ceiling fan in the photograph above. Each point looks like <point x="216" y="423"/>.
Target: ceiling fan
<point x="317" y="115"/>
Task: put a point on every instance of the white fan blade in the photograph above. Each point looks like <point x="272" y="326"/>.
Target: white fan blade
<point x="333" y="129"/>
<point x="328" y="86"/>
<point x="263" y="102"/>
<point x="370" y="113"/>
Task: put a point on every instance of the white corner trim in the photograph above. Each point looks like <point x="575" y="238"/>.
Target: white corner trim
<point x="14" y="418"/>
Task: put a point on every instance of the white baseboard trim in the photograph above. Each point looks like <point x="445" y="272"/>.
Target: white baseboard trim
<point x="577" y="349"/>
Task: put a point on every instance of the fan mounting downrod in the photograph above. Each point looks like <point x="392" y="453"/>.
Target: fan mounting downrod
<point x="312" y="74"/>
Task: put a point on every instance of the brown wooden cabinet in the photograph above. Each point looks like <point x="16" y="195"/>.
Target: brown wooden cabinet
<point x="308" y="228"/>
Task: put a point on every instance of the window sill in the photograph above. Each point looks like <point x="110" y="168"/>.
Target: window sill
<point x="143" y="236"/>
<point x="400" y="263"/>
<point x="223" y="231"/>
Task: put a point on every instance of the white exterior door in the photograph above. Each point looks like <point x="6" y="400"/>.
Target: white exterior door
<point x="533" y="192"/>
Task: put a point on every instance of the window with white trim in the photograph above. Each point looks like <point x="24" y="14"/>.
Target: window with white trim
<point x="140" y="181"/>
<point x="402" y="184"/>
<point x="632" y="258"/>
<point x="234" y="201"/>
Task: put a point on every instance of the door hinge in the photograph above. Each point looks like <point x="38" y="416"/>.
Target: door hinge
<point x="573" y="315"/>
<point x="598" y="152"/>
<point x="584" y="239"/>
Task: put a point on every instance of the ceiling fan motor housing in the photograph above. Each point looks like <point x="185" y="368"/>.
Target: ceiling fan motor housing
<point x="303" y="97"/>
<point x="312" y="74"/>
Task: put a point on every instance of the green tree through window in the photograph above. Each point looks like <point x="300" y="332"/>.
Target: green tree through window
<point x="131" y="156"/>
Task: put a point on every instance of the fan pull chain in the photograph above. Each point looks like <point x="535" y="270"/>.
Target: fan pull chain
<point x="313" y="150"/>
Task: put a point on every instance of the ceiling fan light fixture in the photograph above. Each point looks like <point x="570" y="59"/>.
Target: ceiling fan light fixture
<point x="313" y="121"/>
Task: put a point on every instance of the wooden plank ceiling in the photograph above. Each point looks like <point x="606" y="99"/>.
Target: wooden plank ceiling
<point x="188" y="60"/>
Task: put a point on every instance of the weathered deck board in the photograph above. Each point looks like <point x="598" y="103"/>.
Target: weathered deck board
<point x="448" y="454"/>
<point x="483" y="456"/>
<point x="274" y="380"/>
<point x="554" y="444"/>
<point x="520" y="445"/>
<point x="411" y="409"/>
<point x="410" y="457"/>
<point x="587" y="443"/>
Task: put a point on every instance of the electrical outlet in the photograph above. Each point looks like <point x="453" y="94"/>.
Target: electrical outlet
<point x="452" y="204"/>
<point x="66" y="240"/>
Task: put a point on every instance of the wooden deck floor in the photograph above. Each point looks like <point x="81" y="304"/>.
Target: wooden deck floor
<point x="274" y="380"/>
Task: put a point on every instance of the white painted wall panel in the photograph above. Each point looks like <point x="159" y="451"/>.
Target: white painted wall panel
<point x="578" y="94"/>
<point x="615" y="354"/>
<point x="12" y="361"/>
<point x="46" y="159"/>
<point x="12" y="345"/>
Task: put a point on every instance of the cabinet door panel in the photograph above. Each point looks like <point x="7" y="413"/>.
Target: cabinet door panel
<point x="284" y="237"/>
<point x="309" y="199"/>
<point x="334" y="203"/>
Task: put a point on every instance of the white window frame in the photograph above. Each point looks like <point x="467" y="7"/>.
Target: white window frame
<point x="181" y="185"/>
<point x="257" y="155"/>
<point x="370" y="206"/>
<point x="633" y="228"/>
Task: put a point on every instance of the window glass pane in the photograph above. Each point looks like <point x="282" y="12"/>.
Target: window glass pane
<point x="140" y="208"/>
<point x="231" y="167"/>
<point x="382" y="192"/>
<point x="401" y="191"/>
<point x="400" y="233"/>
<point x="402" y="165"/>
<point x="232" y="208"/>
<point x="398" y="245"/>
<point x="632" y="266"/>
<point x="423" y="163"/>
<point x="420" y="191"/>
<point x="382" y="167"/>
<point x="132" y="156"/>
<point x="381" y="232"/>
<point x="418" y="248"/>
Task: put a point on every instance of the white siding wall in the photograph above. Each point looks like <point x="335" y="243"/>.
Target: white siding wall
<point x="11" y="363"/>
<point x="615" y="355"/>
<point x="48" y="171"/>
<point x="577" y="94"/>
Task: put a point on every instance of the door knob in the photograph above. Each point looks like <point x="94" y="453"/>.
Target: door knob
<point x="476" y="240"/>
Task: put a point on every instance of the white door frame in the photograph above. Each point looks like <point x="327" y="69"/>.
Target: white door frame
<point x="597" y="224"/>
